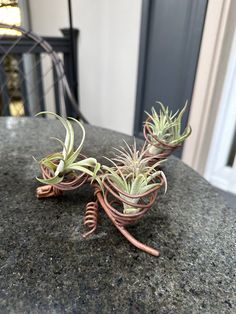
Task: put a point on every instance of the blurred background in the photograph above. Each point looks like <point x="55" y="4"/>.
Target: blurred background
<point x="120" y="57"/>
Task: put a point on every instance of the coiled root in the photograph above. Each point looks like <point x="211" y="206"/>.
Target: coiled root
<point x="91" y="218"/>
<point x="48" y="191"/>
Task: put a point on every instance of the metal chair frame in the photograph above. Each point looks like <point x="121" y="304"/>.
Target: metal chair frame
<point x="33" y="43"/>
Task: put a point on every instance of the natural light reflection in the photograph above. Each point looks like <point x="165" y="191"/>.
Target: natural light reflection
<point x="17" y="108"/>
<point x="10" y="15"/>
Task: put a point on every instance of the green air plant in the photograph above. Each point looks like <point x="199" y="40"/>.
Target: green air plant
<point x="62" y="164"/>
<point x="131" y="174"/>
<point x="165" y="129"/>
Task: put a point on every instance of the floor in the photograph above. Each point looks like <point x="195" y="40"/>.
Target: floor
<point x="229" y="197"/>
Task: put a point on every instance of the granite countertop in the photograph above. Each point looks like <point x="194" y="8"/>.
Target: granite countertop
<point x="46" y="266"/>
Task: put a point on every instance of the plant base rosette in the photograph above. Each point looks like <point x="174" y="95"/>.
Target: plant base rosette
<point x="157" y="149"/>
<point x="69" y="169"/>
<point x="71" y="181"/>
<point x="162" y="132"/>
<point x="111" y="200"/>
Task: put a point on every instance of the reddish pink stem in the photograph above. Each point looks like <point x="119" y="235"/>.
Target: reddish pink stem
<point x="125" y="233"/>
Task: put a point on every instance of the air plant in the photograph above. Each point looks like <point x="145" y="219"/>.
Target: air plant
<point x="164" y="129"/>
<point x="68" y="163"/>
<point x="132" y="176"/>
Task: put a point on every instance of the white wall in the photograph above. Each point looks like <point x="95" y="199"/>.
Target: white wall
<point x="108" y="54"/>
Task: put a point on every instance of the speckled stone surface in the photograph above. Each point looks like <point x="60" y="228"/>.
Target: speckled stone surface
<point x="47" y="267"/>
